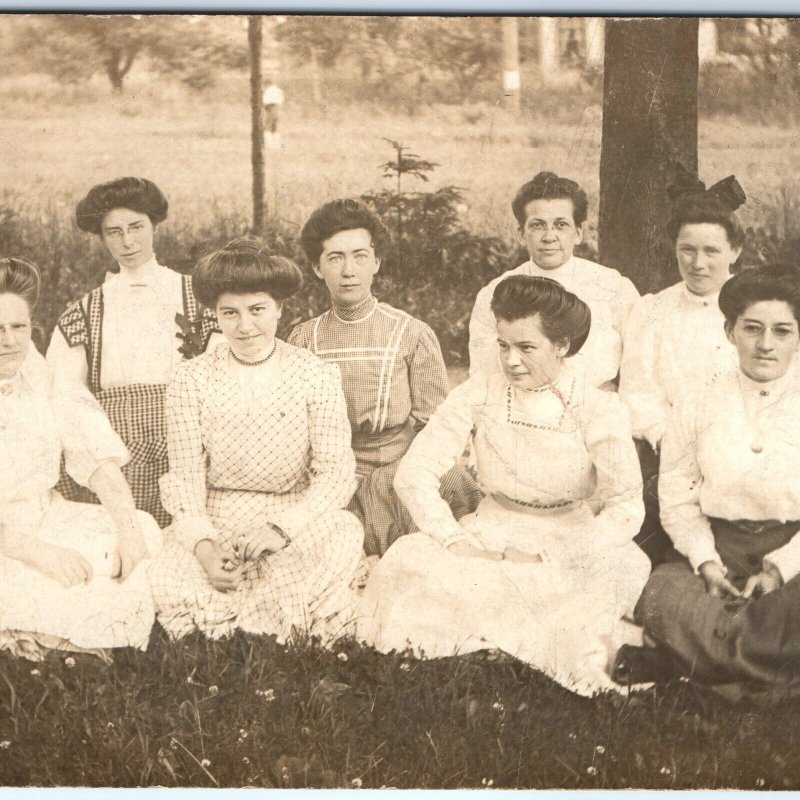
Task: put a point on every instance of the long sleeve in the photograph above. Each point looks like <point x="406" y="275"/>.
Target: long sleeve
<point x="333" y="465"/>
<point x="86" y="434"/>
<point x="624" y="305"/>
<point x="427" y="377"/>
<point x="639" y="385"/>
<point x="183" y="488"/>
<point x="483" y="335"/>
<point x="65" y="362"/>
<point x="619" y="479"/>
<point x="787" y="558"/>
<point x="433" y="452"/>
<point x="679" y="485"/>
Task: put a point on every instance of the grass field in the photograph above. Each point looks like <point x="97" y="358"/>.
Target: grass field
<point x="197" y="148"/>
<point x="247" y="711"/>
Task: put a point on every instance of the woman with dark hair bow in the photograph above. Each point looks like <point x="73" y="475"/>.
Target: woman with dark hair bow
<point x="546" y="566"/>
<point x="675" y="339"/>
<point x="121" y="339"/>
<point x="724" y="610"/>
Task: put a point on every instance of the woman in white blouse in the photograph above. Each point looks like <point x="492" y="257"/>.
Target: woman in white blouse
<point x="123" y="339"/>
<point x="675" y="339"/>
<point x="546" y="566"/>
<point x="726" y="608"/>
<point x="260" y="469"/>
<point x="72" y="575"/>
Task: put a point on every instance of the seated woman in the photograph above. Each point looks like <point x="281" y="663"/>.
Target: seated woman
<point x="546" y="566"/>
<point x="124" y="337"/>
<point x="260" y="468"/>
<point x="71" y="574"/>
<point x="392" y="368"/>
<point x="726" y="607"/>
<point x="707" y="238"/>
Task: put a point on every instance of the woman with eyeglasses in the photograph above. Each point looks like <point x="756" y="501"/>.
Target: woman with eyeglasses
<point x="724" y="609"/>
<point x="123" y="339"/>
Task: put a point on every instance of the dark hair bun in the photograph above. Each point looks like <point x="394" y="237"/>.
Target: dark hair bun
<point x="137" y="194"/>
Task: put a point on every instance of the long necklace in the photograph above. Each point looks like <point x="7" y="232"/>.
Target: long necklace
<point x="254" y="363"/>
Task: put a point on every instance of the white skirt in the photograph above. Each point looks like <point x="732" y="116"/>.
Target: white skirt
<point x="563" y="616"/>
<point x="101" y="614"/>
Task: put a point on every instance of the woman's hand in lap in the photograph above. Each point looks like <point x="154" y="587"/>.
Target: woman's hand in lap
<point x="768" y="580"/>
<point x="521" y="556"/>
<point x="64" y="565"/>
<point x="250" y="546"/>
<point x="470" y="551"/>
<point x="717" y="584"/>
<point x="221" y="566"/>
<point x="131" y="549"/>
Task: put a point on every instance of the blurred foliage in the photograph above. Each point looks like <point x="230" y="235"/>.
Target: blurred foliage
<point x="73" y="48"/>
<point x="758" y="76"/>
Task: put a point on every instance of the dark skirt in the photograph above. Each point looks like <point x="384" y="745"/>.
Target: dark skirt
<point x="754" y="644"/>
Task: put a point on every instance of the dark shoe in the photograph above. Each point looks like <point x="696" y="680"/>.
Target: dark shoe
<point x="642" y="665"/>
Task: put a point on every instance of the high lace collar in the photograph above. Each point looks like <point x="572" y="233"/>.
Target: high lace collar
<point x="697" y="299"/>
<point x="147" y="274"/>
<point x="355" y="313"/>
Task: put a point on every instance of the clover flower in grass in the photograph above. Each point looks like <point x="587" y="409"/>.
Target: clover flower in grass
<point x="591" y="770"/>
<point x="205" y="763"/>
<point x="405" y="666"/>
<point x="487" y="782"/>
<point x="245" y="760"/>
<point x="69" y="662"/>
<point x="600" y="749"/>
<point x="497" y="706"/>
<point x="760" y="782"/>
<point x="173" y="743"/>
<point x="342" y="656"/>
<point x="35" y="672"/>
<point x="356" y="783"/>
<point x="665" y="771"/>
<point x="267" y="694"/>
<point x="5" y="744"/>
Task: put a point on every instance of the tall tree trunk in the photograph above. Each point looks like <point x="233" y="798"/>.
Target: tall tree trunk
<point x="649" y="127"/>
<point x="254" y="38"/>
<point x="511" y="80"/>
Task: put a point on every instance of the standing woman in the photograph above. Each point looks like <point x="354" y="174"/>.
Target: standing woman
<point x="121" y="339"/>
<point x="72" y="575"/>
<point x="707" y="238"/>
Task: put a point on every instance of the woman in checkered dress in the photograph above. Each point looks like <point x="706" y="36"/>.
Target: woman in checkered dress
<point x="260" y="469"/>
<point x="73" y="576"/>
<point x="120" y="339"/>
<point x="546" y="567"/>
<point x="392" y="368"/>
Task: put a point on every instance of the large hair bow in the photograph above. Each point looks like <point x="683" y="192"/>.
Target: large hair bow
<point x="687" y="186"/>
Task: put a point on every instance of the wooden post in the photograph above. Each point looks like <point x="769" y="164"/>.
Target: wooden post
<point x="254" y="38"/>
<point x="649" y="126"/>
<point x="548" y="48"/>
<point x="511" y="79"/>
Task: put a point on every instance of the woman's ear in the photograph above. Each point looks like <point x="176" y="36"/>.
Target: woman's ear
<point x="317" y="271"/>
<point x="729" y="332"/>
<point x="562" y="348"/>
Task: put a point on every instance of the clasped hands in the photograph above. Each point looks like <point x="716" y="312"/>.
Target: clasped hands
<point x="224" y="564"/>
<point x="717" y="585"/>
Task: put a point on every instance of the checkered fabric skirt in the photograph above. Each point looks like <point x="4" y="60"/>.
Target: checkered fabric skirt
<point x="303" y="589"/>
<point x="137" y="414"/>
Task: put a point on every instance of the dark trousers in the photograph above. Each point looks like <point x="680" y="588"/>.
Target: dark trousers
<point x="753" y="643"/>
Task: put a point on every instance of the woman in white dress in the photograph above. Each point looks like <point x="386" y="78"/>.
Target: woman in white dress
<point x="725" y="609"/>
<point x="546" y="567"/>
<point x="260" y="469"/>
<point x="123" y="339"/>
<point x="72" y="575"/>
